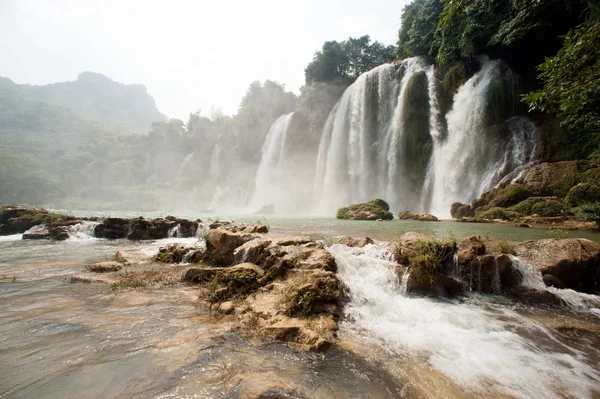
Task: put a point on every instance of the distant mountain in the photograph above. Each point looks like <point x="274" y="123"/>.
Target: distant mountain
<point x="96" y="96"/>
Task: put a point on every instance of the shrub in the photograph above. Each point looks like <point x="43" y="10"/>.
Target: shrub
<point x="524" y="207"/>
<point x="583" y="193"/>
<point x="588" y="212"/>
<point x="550" y="208"/>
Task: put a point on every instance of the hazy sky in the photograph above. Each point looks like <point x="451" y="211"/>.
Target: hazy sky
<point x="190" y="54"/>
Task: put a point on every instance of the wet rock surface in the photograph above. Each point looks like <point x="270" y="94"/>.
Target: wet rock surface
<point x="575" y="261"/>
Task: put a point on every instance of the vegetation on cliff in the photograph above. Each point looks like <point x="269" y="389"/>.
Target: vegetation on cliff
<point x="525" y="34"/>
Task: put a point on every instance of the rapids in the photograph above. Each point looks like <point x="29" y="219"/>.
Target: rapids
<point x="61" y="339"/>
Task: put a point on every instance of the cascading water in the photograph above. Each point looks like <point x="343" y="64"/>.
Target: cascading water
<point x="387" y="138"/>
<point x="473" y="158"/>
<point x="271" y="177"/>
<point x="532" y="278"/>
<point x="361" y="155"/>
<point x="486" y="349"/>
<point x="82" y="231"/>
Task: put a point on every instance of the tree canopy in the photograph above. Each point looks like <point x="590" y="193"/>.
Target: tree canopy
<point x="343" y="62"/>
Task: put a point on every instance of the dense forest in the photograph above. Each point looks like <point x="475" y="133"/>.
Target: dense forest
<point x="99" y="144"/>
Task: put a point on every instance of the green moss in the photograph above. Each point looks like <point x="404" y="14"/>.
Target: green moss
<point x="509" y="196"/>
<point x="428" y="257"/>
<point x="372" y="210"/>
<point x="417" y="145"/>
<point x="498" y="213"/>
<point x="524" y="207"/>
<point x="407" y="215"/>
<point x="583" y="193"/>
<point x="380" y="203"/>
<point x="550" y="208"/>
<point x="228" y="285"/>
<point x="303" y="302"/>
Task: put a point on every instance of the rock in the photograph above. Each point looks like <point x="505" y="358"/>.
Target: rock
<point x="406" y="244"/>
<point x="575" y="261"/>
<point x="509" y="195"/>
<point x="438" y="284"/>
<point x="533" y="296"/>
<point x="226" y="283"/>
<point x="372" y="210"/>
<point x="179" y="253"/>
<point x="319" y="288"/>
<point x="266" y="210"/>
<point x="187" y="228"/>
<point x="112" y="228"/>
<point x="226" y="307"/>
<point x="280" y="393"/>
<point x="428" y="218"/>
<point x="355" y="242"/>
<point x="469" y="249"/>
<point x="459" y="211"/>
<point x="254" y="251"/>
<point x="256" y="228"/>
<point x="105" y="267"/>
<point x="407" y="215"/>
<point x="15" y="219"/>
<point x="59" y="233"/>
<point x="221" y="244"/>
<point x="121" y="257"/>
<point x="39" y="232"/>
<point x="554" y="178"/>
<point x="497" y="246"/>
<point x="553" y="281"/>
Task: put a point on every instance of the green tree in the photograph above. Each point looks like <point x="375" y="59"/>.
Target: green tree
<point x="572" y="86"/>
<point x="343" y="62"/>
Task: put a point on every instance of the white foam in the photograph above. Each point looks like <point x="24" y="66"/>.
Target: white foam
<point x="13" y="237"/>
<point x="477" y="347"/>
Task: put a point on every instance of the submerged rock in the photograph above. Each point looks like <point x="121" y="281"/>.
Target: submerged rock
<point x="105" y="267"/>
<point x="372" y="210"/>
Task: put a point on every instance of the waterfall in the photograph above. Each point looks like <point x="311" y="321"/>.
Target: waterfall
<point x="483" y="347"/>
<point x="387" y="137"/>
<point x="474" y="158"/>
<point x="272" y="177"/>
<point x="362" y="154"/>
<point x="82" y="231"/>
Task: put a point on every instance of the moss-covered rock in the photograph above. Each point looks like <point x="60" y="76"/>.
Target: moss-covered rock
<point x="498" y="213"/>
<point x="459" y="211"/>
<point x="372" y="210"/>
<point x="550" y="208"/>
<point x="556" y="178"/>
<point x="525" y="207"/>
<point x="425" y="217"/>
<point x="509" y="195"/>
<point x="417" y="142"/>
<point x="583" y="193"/>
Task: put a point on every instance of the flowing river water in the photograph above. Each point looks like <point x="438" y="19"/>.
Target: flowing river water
<point x="65" y="340"/>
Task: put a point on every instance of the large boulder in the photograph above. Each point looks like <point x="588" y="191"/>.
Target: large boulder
<point x="221" y="244"/>
<point x="554" y="178"/>
<point x="39" y="232"/>
<point x="583" y="193"/>
<point x="373" y="210"/>
<point x="575" y="261"/>
<point x="112" y="228"/>
<point x="459" y="211"/>
<point x="179" y="253"/>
